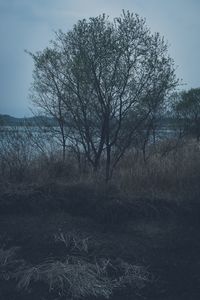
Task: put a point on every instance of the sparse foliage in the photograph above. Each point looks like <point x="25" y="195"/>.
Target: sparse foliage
<point x="101" y="81"/>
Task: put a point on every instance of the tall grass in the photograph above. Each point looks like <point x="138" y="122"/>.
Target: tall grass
<point x="175" y="175"/>
<point x="171" y="168"/>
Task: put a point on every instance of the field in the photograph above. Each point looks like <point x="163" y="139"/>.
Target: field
<point x="134" y="238"/>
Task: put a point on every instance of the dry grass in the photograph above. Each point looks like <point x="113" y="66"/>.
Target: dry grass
<point x="73" y="242"/>
<point x="170" y="172"/>
<point x="9" y="262"/>
<point x="77" y="275"/>
<point x="171" y="165"/>
<point x="73" y="277"/>
<point x="78" y="278"/>
<point x="174" y="176"/>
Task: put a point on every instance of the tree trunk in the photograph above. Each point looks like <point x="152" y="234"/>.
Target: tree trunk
<point x="63" y="150"/>
<point x="108" y="154"/>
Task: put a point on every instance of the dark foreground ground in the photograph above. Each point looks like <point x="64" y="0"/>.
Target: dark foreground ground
<point x="166" y="241"/>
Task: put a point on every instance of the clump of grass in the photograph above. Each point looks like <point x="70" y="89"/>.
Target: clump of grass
<point x="134" y="276"/>
<point x="7" y="255"/>
<point x="74" y="277"/>
<point x="9" y="262"/>
<point x="72" y="242"/>
<point x="78" y="278"/>
<point x="79" y="274"/>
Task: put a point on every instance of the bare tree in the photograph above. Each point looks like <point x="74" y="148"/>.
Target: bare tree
<point x="109" y="78"/>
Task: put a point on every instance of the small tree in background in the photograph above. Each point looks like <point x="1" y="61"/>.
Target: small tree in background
<point x="103" y="81"/>
<point x="187" y="109"/>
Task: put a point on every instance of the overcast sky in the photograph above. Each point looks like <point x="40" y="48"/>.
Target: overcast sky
<point x="30" y="24"/>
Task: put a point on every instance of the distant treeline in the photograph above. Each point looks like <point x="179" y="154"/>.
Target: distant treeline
<point x="7" y="120"/>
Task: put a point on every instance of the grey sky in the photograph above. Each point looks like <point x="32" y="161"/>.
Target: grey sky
<point x="29" y="24"/>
